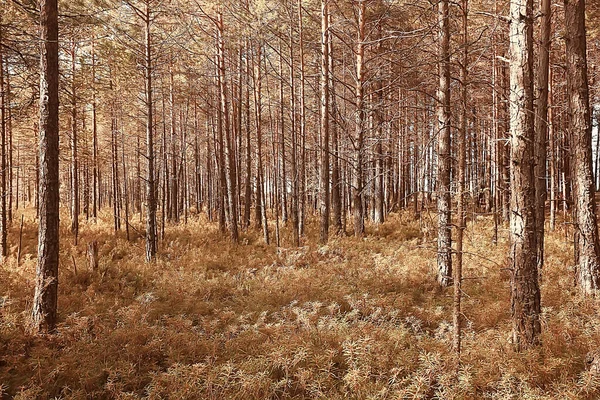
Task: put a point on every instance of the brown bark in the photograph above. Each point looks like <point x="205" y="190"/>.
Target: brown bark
<point x="580" y="130"/>
<point x="46" y="288"/>
<point x="324" y="176"/>
<point x="541" y="128"/>
<point x="150" y="183"/>
<point x="444" y="256"/>
<point x="231" y="180"/>
<point x="74" y="155"/>
<point x="357" y="189"/>
<point x="302" y="131"/>
<point x="525" y="292"/>
<point x="3" y="172"/>
<point x="461" y="206"/>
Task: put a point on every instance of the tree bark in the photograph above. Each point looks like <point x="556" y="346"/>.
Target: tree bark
<point x="74" y="155"/>
<point x="150" y="184"/>
<point x="46" y="288"/>
<point x="444" y="256"/>
<point x="324" y="172"/>
<point x="541" y="129"/>
<point x="3" y="172"/>
<point x="462" y="189"/>
<point x="588" y="250"/>
<point x="357" y="189"/>
<point x="525" y="292"/>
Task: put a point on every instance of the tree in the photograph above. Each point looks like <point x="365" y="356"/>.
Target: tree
<point x="324" y="177"/>
<point x="147" y="18"/>
<point x="461" y="155"/>
<point x="541" y="128"/>
<point x="74" y="155"/>
<point x="3" y="172"/>
<point x="444" y="257"/>
<point x="46" y="288"/>
<point x="525" y="291"/>
<point x="357" y="184"/>
<point x="580" y="130"/>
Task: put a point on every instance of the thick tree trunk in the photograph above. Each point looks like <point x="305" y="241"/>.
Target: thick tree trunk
<point x="525" y="292"/>
<point x="46" y="288"/>
<point x="444" y="257"/>
<point x="588" y="250"/>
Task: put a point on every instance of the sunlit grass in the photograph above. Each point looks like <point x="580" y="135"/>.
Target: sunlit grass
<point x="359" y="318"/>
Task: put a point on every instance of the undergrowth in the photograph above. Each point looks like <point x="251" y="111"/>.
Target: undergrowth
<point x="356" y="319"/>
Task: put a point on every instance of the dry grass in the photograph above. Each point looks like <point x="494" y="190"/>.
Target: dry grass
<point x="357" y="319"/>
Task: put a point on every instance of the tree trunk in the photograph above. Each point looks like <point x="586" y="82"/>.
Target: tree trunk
<point x="95" y="204"/>
<point x="46" y="288"/>
<point x="588" y="250"/>
<point x="357" y="189"/>
<point x="525" y="292"/>
<point x="231" y="180"/>
<point x="74" y="156"/>
<point x="444" y="257"/>
<point x="150" y="184"/>
<point x="461" y="209"/>
<point x="324" y="177"/>
<point x="541" y="129"/>
<point x="3" y="172"/>
<point x="302" y="132"/>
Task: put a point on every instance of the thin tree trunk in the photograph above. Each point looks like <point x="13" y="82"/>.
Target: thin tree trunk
<point x="3" y="172"/>
<point x="541" y="129"/>
<point x="302" y="177"/>
<point x="357" y="189"/>
<point x="74" y="156"/>
<point x="231" y="179"/>
<point x="150" y="183"/>
<point x="444" y="257"/>
<point x="324" y="172"/>
<point x="461" y="209"/>
<point x="95" y="205"/>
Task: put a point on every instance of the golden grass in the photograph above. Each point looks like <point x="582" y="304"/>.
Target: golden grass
<point x="357" y="319"/>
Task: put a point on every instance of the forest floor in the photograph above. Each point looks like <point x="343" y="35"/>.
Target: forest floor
<point x="357" y="319"/>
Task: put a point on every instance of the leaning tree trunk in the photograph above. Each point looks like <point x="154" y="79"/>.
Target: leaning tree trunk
<point x="525" y="292"/>
<point x="46" y="288"/>
<point x="588" y="251"/>
<point x="444" y="257"/>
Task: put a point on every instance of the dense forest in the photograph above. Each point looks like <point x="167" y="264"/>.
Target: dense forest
<point x="297" y="199"/>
